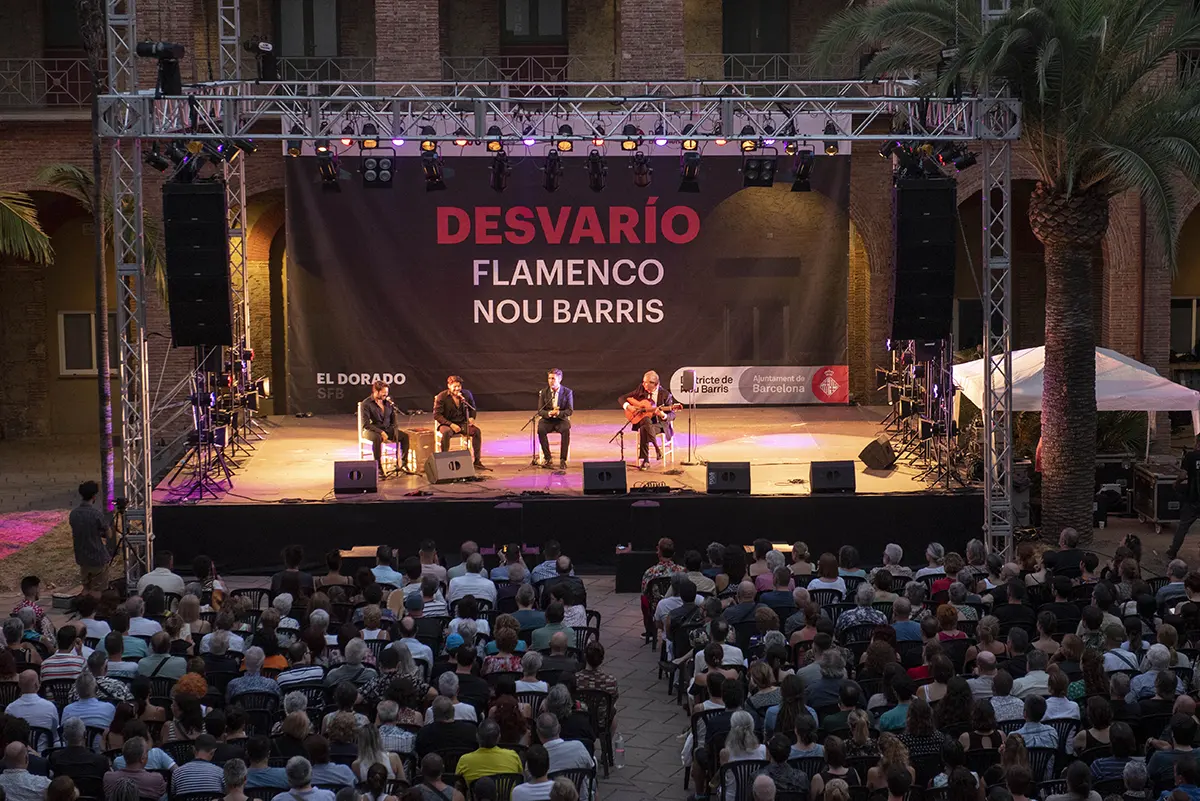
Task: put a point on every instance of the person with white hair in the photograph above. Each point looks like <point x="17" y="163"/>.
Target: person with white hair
<point x="289" y="627"/>
<point x="935" y="554"/>
<point x="447" y="685"/>
<point x="863" y="614"/>
<point x="352" y="669"/>
<point x="252" y="681"/>
<point x="90" y="709"/>
<point x="299" y="777"/>
<point x="318" y="621"/>
<point x="75" y="758"/>
<point x="741" y="744"/>
<point x="139" y="624"/>
<point x="1141" y="686"/>
<point x="763" y="788"/>
<point x="893" y="555"/>
<point x="766" y="581"/>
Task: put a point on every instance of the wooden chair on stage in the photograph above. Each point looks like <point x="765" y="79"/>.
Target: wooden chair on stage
<point x="462" y="436"/>
<point x="668" y="448"/>
<point x="365" y="446"/>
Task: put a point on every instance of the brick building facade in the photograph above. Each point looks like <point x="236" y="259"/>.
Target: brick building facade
<point x="42" y="121"/>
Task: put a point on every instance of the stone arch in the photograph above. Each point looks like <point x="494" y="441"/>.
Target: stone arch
<point x="265" y="213"/>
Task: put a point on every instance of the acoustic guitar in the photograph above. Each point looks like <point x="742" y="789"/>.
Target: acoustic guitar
<point x="643" y="409"/>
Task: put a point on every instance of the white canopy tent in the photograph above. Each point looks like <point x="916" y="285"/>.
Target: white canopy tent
<point x="1122" y="384"/>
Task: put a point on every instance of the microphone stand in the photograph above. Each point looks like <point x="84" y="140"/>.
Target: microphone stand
<point x="533" y="432"/>
<point x="467" y="432"/>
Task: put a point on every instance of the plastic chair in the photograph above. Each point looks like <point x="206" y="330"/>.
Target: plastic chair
<point x="58" y="691"/>
<point x="601" y="707"/>
<point x="738" y="777"/>
<point x="505" y="782"/>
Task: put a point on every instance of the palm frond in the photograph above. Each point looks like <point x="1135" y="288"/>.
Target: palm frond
<point x="21" y="234"/>
<point x="69" y="180"/>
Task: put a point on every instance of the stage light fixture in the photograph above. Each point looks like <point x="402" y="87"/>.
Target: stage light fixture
<point x="370" y="136"/>
<point x="460" y="138"/>
<point x="378" y="171"/>
<point x="689" y="171"/>
<point x="529" y="140"/>
<point x="295" y="146"/>
<point x="347" y="135"/>
<point x="689" y="144"/>
<point x="721" y="142"/>
<point x="553" y="170"/>
<point x="659" y="139"/>
<point x="768" y="129"/>
<point x="170" y="80"/>
<point x="322" y="145"/>
<point x="431" y="164"/>
<point x="428" y="145"/>
<point x="804" y="165"/>
<point x="263" y="387"/>
<point x="597" y="171"/>
<point x="749" y="140"/>
<point x="398" y="143"/>
<point x="965" y="161"/>
<point x="157" y="160"/>
<point x="498" y="178"/>
<point x="642" y="171"/>
<point x="327" y="166"/>
<point x="494" y="144"/>
<point x="790" y="148"/>
<point x="633" y="137"/>
<point x="598" y="136"/>
<point x="758" y="171"/>
<point x="831" y="145"/>
<point x="887" y="148"/>
<point x="565" y="145"/>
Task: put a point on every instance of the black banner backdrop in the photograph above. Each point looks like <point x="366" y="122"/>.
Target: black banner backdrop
<point x="410" y="286"/>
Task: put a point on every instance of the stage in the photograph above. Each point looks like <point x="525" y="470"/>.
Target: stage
<point x="282" y="491"/>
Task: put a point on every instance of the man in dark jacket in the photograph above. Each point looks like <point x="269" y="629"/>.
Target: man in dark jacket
<point x="381" y="423"/>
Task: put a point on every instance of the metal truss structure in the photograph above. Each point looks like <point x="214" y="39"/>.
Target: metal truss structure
<point x="530" y="114"/>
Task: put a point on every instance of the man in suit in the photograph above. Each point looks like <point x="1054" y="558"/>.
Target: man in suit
<point x="658" y="423"/>
<point x="454" y="410"/>
<point x="555" y="404"/>
<point x="381" y="423"/>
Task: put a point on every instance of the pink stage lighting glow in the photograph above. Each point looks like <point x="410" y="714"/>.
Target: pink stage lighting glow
<point x="398" y="142"/>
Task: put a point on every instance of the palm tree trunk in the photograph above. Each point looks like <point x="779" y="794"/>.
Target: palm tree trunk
<point x="1070" y="228"/>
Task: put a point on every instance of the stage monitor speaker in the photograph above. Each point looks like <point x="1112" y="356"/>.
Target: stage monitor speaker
<point x="926" y="229"/>
<point x="354" y="477"/>
<point x="878" y="455"/>
<point x="729" y="477"/>
<point x="687" y="381"/>
<point x="196" y="243"/>
<point x="604" y="478"/>
<point x="442" y="468"/>
<point x="831" y="477"/>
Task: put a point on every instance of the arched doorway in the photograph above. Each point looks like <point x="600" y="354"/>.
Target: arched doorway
<point x="1185" y="305"/>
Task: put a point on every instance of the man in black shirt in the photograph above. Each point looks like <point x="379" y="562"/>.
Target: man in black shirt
<point x="1013" y="613"/>
<point x="381" y="423"/>
<point x="445" y="733"/>
<point x="75" y="759"/>
<point x="1190" y="495"/>
<point x="1065" y="561"/>
<point x="471" y="689"/>
<point x="1018" y="648"/>
<point x="90" y="531"/>
<point x="1066" y="613"/>
<point x="454" y="410"/>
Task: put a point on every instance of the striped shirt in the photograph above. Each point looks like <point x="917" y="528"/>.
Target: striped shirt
<point x="62" y="666"/>
<point x="198" y="776"/>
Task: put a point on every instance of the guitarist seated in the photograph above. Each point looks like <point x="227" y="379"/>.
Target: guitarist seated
<point x="651" y="409"/>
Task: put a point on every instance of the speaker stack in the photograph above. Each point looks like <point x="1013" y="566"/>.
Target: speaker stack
<point x="196" y="240"/>
<point x="926" y="227"/>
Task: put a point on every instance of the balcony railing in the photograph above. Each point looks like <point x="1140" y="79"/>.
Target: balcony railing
<point x="38" y="83"/>
<point x="544" y="69"/>
<point x="747" y="66"/>
<point x="341" y="68"/>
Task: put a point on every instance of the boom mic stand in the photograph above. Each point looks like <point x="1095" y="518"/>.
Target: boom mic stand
<point x="533" y="434"/>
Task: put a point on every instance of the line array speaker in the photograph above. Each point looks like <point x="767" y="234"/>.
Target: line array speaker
<point x="196" y="241"/>
<point x="926" y="236"/>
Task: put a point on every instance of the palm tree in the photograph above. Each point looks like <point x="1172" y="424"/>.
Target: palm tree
<point x="21" y="234"/>
<point x="1100" y="116"/>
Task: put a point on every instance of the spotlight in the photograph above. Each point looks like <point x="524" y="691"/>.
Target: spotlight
<point x="431" y="163"/>
<point x="659" y="139"/>
<point x="804" y="164"/>
<point x="768" y="129"/>
<point x="170" y="80"/>
<point x="887" y="148"/>
<point x="689" y="144"/>
<point x="749" y="141"/>
<point x="157" y="160"/>
<point x="428" y="145"/>
<point x="377" y="171"/>
<point x="597" y="171"/>
<point x="642" y="171"/>
<point x="831" y="145"/>
<point x="565" y="145"/>
<point x="721" y="142"/>
<point x="529" y="140"/>
<point x="632" y="134"/>
<point x="965" y="161"/>
<point x="370" y="136"/>
<point x="598" y="138"/>
<point x="347" y="135"/>
<point x="327" y="165"/>
<point x="460" y="138"/>
<point x="295" y="146"/>
<point x="790" y="148"/>
<point x="494" y="144"/>
<point x="553" y="170"/>
<point x="689" y="171"/>
<point x="758" y="171"/>
<point x="398" y="143"/>
<point x="499" y="173"/>
<point x="322" y="145"/>
<point x="263" y="387"/>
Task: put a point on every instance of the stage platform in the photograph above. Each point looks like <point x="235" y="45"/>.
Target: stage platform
<point x="283" y="489"/>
